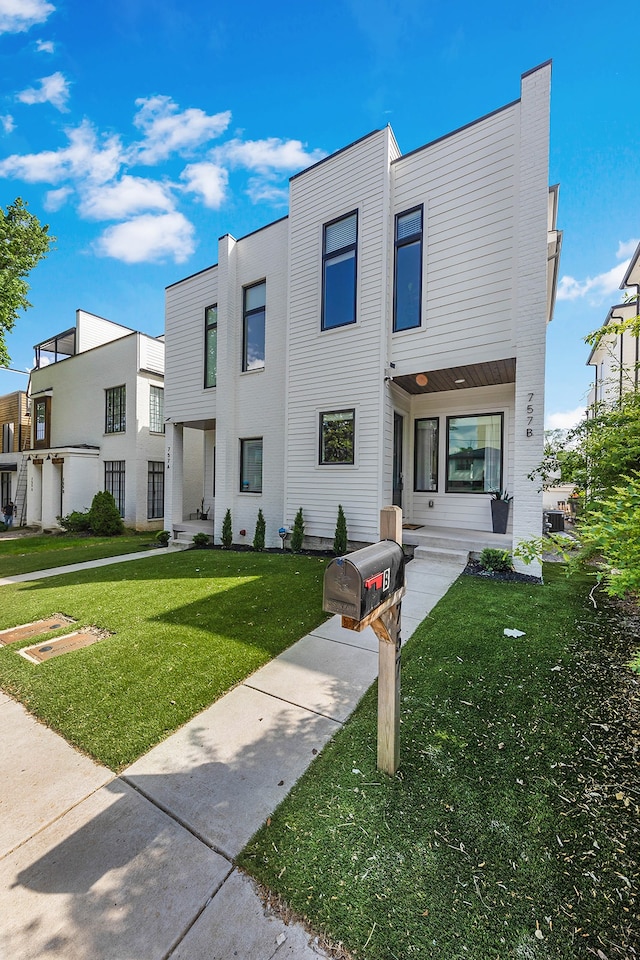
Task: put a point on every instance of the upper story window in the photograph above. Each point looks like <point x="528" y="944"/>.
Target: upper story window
<point x="339" y="256"/>
<point x="8" y="434"/>
<point x="337" y="436"/>
<point x="474" y="453"/>
<point x="210" y="345"/>
<point x="41" y="421"/>
<point x="408" y="270"/>
<point x="156" y="409"/>
<point x="254" y="305"/>
<point x="115" y="410"/>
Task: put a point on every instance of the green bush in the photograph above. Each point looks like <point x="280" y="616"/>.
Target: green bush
<point x="259" y="536"/>
<point x="610" y="531"/>
<point x="497" y="561"/>
<point x="75" y="522"/>
<point x="163" y="537"/>
<point x="104" y="516"/>
<point x="201" y="541"/>
<point x="227" y="530"/>
<point x="297" y="537"/>
<point x="3" y="526"/>
<point x="340" y="538"/>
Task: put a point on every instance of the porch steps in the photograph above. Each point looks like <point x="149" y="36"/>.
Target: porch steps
<point x="440" y="543"/>
<point x="441" y="555"/>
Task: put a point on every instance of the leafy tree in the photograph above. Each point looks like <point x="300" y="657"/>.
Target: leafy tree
<point x="340" y="538"/>
<point x="297" y="536"/>
<point x="104" y="516"/>
<point x="23" y="243"/>
<point x="259" y="536"/>
<point x="227" y="531"/>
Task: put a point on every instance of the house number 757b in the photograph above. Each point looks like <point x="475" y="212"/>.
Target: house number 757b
<point x="530" y="411"/>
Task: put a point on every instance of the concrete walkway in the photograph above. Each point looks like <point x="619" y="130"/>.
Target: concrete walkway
<point x="141" y="866"/>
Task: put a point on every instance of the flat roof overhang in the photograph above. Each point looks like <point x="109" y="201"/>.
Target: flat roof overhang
<point x="488" y="374"/>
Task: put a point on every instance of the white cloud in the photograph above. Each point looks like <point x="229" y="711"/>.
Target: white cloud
<point x="149" y="238"/>
<point x="565" y="420"/>
<point x="265" y="191"/>
<point x="53" y="89"/>
<point x="627" y="249"/>
<point x="86" y="157"/>
<point x="55" y="199"/>
<point x="129" y="196"/>
<point x="44" y="46"/>
<point x="267" y="155"/>
<point x="208" y="181"/>
<point x="603" y="286"/>
<point x="8" y="123"/>
<point x="168" y="130"/>
<point x="16" y="16"/>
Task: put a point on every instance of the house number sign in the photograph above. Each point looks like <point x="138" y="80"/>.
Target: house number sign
<point x="530" y="412"/>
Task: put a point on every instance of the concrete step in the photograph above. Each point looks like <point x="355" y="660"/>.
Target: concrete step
<point x="441" y="554"/>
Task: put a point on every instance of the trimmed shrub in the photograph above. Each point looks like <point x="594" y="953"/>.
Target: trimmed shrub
<point x="104" y="516"/>
<point x="297" y="536"/>
<point x="227" y="530"/>
<point x="340" y="538"/>
<point x="163" y="537"/>
<point x="259" y="536"/>
<point x="75" y="522"/>
<point x="201" y="541"/>
<point x="498" y="561"/>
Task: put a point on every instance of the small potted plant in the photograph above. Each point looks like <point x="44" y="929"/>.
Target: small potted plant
<point x="500" y="501"/>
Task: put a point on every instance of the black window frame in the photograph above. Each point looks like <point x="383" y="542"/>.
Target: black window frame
<point x="398" y="246"/>
<point x="155" y="489"/>
<point x="321" y="446"/>
<point x="416" y="488"/>
<point x="334" y="255"/>
<point x="209" y="326"/>
<point x="247" y="315"/>
<point x="243" y="464"/>
<point x="115" y="413"/>
<point x="475" y="416"/>
<point x="115" y="480"/>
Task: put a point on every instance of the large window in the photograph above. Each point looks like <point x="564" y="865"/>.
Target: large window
<point x="8" y="433"/>
<point x="255" y="299"/>
<point x="408" y="270"/>
<point x="156" y="409"/>
<point x="337" y="436"/>
<point x="474" y="453"/>
<point x="251" y="465"/>
<point x="155" y="489"/>
<point x="115" y="410"/>
<point x="339" y="255"/>
<point x="114" y="482"/>
<point x="210" y="345"/>
<point x="41" y="422"/>
<point x="425" y="474"/>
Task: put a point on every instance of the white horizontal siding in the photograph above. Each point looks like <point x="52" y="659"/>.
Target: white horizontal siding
<point x="185" y="395"/>
<point x="92" y="331"/>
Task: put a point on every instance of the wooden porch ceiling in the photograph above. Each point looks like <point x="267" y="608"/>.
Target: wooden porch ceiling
<point x="474" y="375"/>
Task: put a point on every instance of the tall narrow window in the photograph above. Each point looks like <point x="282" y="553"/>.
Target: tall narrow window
<point x="114" y="482"/>
<point x="155" y="489"/>
<point x="253" y="327"/>
<point x="426" y="455"/>
<point x="210" y="345"/>
<point x="339" y="256"/>
<point x="156" y="409"/>
<point x="251" y="465"/>
<point x="474" y="453"/>
<point x="408" y="270"/>
<point x="116" y="409"/>
<point x="8" y="433"/>
<point x="41" y="421"/>
<point x="337" y="436"/>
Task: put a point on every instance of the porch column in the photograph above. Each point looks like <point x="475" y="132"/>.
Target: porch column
<point x="174" y="474"/>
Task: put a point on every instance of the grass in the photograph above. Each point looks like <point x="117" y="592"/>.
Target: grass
<point x="25" y="554"/>
<point x="185" y="627"/>
<point x="505" y="833"/>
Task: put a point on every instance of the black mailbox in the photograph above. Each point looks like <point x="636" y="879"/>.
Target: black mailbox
<point x="358" y="583"/>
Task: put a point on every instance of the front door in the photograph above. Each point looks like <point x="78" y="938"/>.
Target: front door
<point x="398" y="430"/>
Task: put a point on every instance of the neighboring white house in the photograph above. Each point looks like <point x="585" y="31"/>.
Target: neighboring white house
<point x="383" y="343"/>
<point x="97" y="414"/>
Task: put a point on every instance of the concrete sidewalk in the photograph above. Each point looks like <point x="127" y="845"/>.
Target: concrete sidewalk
<point x="141" y="866"/>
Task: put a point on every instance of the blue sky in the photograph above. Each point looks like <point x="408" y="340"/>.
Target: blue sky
<point x="142" y="130"/>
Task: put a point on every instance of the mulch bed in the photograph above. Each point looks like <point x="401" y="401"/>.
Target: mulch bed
<point x="473" y="569"/>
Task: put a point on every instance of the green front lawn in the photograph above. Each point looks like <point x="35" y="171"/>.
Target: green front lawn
<point x="25" y="554"/>
<point x="509" y="831"/>
<point x="186" y="627"/>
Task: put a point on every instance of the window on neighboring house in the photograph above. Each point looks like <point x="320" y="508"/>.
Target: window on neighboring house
<point x="251" y="465"/>
<point x="8" y="433"/>
<point x="114" y="482"/>
<point x="408" y="270"/>
<point x="41" y="421"/>
<point x="116" y="409"/>
<point x="210" y="345"/>
<point x="337" y="436"/>
<point x="155" y="489"/>
<point x="474" y="453"/>
<point x="254" y="303"/>
<point x="425" y="474"/>
<point x="5" y="489"/>
<point x="339" y="256"/>
<point x="156" y="409"/>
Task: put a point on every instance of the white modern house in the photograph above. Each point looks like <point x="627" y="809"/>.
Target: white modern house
<point x="383" y="343"/>
<point x="97" y="423"/>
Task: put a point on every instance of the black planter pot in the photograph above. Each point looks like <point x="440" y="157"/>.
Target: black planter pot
<point x="499" y="515"/>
